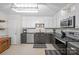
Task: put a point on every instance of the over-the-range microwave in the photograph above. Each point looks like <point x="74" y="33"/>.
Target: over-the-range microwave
<point x="68" y="22"/>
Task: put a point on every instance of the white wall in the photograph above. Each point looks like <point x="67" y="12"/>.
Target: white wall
<point x="71" y="10"/>
<point x="14" y="28"/>
<point x="65" y="12"/>
<point x="77" y="15"/>
<point x="29" y="22"/>
<point x="3" y="16"/>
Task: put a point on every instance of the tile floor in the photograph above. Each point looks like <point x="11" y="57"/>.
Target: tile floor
<point x="27" y="49"/>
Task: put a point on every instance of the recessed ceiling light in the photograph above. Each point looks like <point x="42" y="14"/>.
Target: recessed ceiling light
<point x="25" y="10"/>
<point x="22" y="7"/>
<point x="27" y="5"/>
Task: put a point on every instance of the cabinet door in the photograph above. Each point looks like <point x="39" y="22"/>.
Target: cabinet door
<point x="47" y="38"/>
<point x="39" y="38"/>
<point x="23" y="38"/>
<point x="52" y="39"/>
<point x="43" y="38"/>
<point x="36" y="38"/>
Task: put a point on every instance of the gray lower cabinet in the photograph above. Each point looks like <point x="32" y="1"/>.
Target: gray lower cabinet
<point x="52" y="39"/>
<point x="41" y="38"/>
<point x="37" y="37"/>
<point x="23" y="38"/>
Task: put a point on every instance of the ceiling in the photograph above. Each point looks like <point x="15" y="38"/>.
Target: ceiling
<point x="46" y="9"/>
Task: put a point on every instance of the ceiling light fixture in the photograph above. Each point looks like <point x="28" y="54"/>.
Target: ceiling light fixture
<point x="23" y="7"/>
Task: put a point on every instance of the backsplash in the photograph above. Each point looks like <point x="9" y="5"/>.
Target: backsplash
<point x="30" y="30"/>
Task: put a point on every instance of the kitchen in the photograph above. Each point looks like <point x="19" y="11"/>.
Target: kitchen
<point x="47" y="28"/>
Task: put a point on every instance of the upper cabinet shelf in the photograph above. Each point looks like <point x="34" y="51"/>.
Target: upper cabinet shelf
<point x="2" y="20"/>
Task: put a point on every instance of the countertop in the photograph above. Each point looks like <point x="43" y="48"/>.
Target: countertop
<point x="66" y="39"/>
<point x="39" y="32"/>
<point x="76" y="44"/>
<point x="73" y="37"/>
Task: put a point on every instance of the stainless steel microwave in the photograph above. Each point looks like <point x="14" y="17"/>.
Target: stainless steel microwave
<point x="68" y="22"/>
